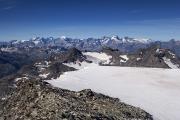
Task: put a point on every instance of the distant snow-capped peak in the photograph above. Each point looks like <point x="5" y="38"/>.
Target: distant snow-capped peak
<point x="130" y="40"/>
<point x="35" y="38"/>
<point x="115" y="37"/>
<point x="143" y="40"/>
<point x="63" y="40"/>
<point x="63" y="37"/>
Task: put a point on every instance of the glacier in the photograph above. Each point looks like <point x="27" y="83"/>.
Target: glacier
<point x="155" y="90"/>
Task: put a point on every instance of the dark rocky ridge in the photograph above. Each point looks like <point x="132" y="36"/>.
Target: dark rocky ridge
<point x="147" y="57"/>
<point x="150" y="58"/>
<point x="33" y="62"/>
<point x="37" y="100"/>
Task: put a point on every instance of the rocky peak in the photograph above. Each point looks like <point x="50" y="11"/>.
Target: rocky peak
<point x="153" y="56"/>
<point x="73" y="55"/>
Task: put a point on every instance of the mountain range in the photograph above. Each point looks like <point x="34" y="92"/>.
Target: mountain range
<point x="124" y="44"/>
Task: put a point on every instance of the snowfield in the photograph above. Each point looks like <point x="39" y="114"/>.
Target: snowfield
<point x="153" y="89"/>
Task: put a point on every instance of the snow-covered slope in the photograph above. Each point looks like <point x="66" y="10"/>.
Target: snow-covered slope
<point x="97" y="57"/>
<point x="152" y="89"/>
<point x="170" y="64"/>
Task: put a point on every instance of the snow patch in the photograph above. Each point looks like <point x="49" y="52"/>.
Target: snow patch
<point x="3" y="98"/>
<point x="116" y="39"/>
<point x="24" y="41"/>
<point x="44" y="75"/>
<point x="42" y="65"/>
<point x="63" y="37"/>
<point x="173" y="55"/>
<point x="170" y="64"/>
<point x="36" y="42"/>
<point x="98" y="57"/>
<point x="143" y="40"/>
<point x="9" y="49"/>
<point x="17" y="79"/>
<point x="138" y="59"/>
<point x="125" y="58"/>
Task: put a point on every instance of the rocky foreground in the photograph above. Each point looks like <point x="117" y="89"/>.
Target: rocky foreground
<point x="36" y="100"/>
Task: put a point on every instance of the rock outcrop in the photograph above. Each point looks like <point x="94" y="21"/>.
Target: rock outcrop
<point x="37" y="100"/>
<point x="153" y="56"/>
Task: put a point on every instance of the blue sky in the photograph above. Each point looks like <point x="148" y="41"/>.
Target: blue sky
<point x="23" y="19"/>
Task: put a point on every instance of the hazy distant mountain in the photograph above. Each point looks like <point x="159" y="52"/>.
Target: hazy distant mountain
<point x="90" y="44"/>
<point x="125" y="44"/>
